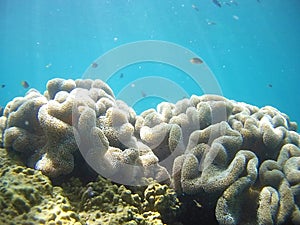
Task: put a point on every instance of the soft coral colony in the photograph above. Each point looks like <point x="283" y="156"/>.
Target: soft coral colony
<point x="245" y="158"/>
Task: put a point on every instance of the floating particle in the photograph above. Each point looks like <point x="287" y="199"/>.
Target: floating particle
<point x="115" y="38"/>
<point x="2" y="86"/>
<point x="270" y="85"/>
<point x="24" y="84"/>
<point x="196" y="61"/>
<point x="48" y="65"/>
<point x="121" y="75"/>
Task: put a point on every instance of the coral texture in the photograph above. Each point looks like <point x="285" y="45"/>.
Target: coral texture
<point x="28" y="197"/>
<point x="243" y="157"/>
<point x="102" y="202"/>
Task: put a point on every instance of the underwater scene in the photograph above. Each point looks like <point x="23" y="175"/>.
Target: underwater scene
<point x="139" y="112"/>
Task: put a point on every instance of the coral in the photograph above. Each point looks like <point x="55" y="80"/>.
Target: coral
<point x="22" y="131"/>
<point x="275" y="206"/>
<point x="228" y="208"/>
<point x="109" y="145"/>
<point x="202" y="167"/>
<point x="41" y="127"/>
<point x="28" y="197"/>
<point x="234" y="162"/>
<point x="279" y="198"/>
<point x="161" y="199"/>
<point x="56" y="85"/>
<point x="101" y="202"/>
<point x="3" y="120"/>
<point x="56" y="156"/>
<point x="206" y="146"/>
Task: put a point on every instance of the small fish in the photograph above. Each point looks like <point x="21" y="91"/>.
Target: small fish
<point x="235" y="17"/>
<point x="121" y="75"/>
<point x="270" y="85"/>
<point x="196" y="61"/>
<point x="24" y="84"/>
<point x="94" y="65"/>
<point x="2" y="86"/>
<point x="217" y="3"/>
<point x="211" y="22"/>
<point x="143" y="94"/>
<point x="197" y="203"/>
<point x="195" y="7"/>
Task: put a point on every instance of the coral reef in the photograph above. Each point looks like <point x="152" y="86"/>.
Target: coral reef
<point x="72" y="117"/>
<point x="28" y="197"/>
<point x="101" y="202"/>
<point x="243" y="158"/>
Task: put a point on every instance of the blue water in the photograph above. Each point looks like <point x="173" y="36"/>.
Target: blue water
<point x="252" y="48"/>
